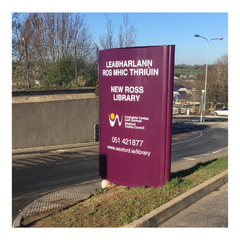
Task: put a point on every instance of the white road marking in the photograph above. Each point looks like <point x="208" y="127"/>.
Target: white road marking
<point x="219" y="150"/>
<point x="72" y="149"/>
<point x="189" y="139"/>
<point x="189" y="158"/>
<point x="192" y="158"/>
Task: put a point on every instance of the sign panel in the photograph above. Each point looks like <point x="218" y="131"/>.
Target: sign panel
<point x="135" y="115"/>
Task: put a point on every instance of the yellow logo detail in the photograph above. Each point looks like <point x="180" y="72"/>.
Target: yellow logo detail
<point x="112" y="116"/>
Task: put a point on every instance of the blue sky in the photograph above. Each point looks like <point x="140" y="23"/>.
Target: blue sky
<point x="172" y="28"/>
<point x="177" y="28"/>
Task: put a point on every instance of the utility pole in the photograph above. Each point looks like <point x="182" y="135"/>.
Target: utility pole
<point x="97" y="50"/>
<point x="75" y="50"/>
<point x="95" y="45"/>
<point x="26" y="61"/>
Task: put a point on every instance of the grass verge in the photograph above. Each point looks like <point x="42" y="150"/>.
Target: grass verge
<point x="118" y="205"/>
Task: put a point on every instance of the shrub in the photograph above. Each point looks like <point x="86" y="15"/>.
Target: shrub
<point x="60" y="74"/>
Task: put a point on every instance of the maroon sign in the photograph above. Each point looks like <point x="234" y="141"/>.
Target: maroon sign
<point x="135" y="115"/>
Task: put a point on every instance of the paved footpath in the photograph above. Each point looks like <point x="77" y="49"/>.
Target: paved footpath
<point x="210" y="211"/>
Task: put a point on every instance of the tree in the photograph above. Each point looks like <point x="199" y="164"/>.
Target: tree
<point x="49" y="37"/>
<point x="126" y="37"/>
<point x="217" y="82"/>
<point x="107" y="40"/>
<point x="16" y="42"/>
<point x="223" y="75"/>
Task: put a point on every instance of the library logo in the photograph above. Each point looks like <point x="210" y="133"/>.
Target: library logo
<point x="113" y="118"/>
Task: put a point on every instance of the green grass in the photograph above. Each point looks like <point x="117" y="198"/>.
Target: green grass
<point x="188" y="71"/>
<point x="118" y="205"/>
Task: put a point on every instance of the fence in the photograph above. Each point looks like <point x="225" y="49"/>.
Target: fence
<point x="58" y="66"/>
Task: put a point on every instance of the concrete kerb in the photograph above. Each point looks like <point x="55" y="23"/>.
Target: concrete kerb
<point x="156" y="217"/>
<point x="57" y="148"/>
<point x="17" y="221"/>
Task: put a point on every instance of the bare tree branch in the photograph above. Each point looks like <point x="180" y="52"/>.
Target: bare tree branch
<point x="130" y="32"/>
<point x="107" y="41"/>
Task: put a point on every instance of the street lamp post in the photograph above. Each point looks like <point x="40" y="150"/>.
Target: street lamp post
<point x="202" y="106"/>
<point x="205" y="91"/>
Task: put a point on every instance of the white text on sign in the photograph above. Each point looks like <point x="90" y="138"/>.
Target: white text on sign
<point x="130" y="67"/>
<point x="127" y="89"/>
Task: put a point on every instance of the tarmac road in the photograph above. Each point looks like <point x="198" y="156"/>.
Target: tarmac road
<point x="201" y="141"/>
<point x="35" y="175"/>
